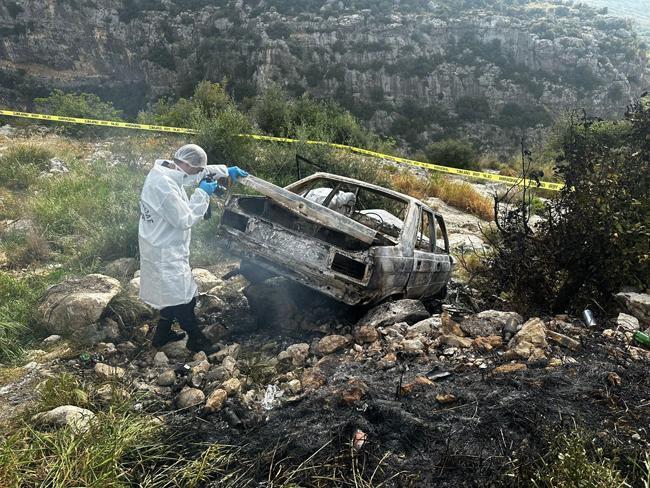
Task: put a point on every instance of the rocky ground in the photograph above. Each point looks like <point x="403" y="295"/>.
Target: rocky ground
<point x="425" y="398"/>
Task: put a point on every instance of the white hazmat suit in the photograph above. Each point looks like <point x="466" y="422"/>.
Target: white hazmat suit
<point x="166" y="216"/>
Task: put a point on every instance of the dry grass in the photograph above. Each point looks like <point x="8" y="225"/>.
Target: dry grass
<point x="458" y="194"/>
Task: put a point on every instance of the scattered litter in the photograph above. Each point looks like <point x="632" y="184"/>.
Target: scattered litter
<point x="271" y="395"/>
<point x="588" y="318"/>
<point x="642" y="338"/>
<point x="359" y="439"/>
<point x="432" y="375"/>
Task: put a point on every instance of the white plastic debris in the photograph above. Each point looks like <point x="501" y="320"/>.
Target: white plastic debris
<point x="271" y="396"/>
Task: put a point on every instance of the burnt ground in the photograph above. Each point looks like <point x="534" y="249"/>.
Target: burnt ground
<point x="495" y="432"/>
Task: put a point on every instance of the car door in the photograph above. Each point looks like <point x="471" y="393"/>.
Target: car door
<point x="424" y="259"/>
<point x="443" y="261"/>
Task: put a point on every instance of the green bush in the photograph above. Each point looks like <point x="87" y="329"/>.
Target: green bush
<point x="21" y="165"/>
<point x="83" y="105"/>
<point x="595" y="238"/>
<point x="452" y="152"/>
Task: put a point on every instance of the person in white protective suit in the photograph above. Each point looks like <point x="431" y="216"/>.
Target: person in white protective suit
<point x="166" y="217"/>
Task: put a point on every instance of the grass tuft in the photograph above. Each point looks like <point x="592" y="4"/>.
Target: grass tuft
<point x="458" y="194"/>
<point x="21" y="165"/>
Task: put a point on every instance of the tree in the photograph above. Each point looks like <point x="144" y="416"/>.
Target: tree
<point x="82" y="105"/>
<point x="595" y="237"/>
<point x="452" y="152"/>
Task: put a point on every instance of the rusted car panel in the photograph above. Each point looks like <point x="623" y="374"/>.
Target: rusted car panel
<point x="356" y="255"/>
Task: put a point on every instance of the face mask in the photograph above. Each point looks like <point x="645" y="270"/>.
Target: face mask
<point x="191" y="180"/>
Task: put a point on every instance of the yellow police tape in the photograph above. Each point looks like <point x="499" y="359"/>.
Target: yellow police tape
<point x="178" y="130"/>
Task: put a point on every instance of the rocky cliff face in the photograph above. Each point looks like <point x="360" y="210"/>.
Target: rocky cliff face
<point x="415" y="70"/>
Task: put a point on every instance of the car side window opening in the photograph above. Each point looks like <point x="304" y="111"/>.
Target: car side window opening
<point x="426" y="234"/>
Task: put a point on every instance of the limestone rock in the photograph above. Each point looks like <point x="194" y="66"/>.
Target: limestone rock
<point x="71" y="306"/>
<point x="231" y="386"/>
<point x="409" y="311"/>
<point x="426" y="327"/>
<point x="312" y="379"/>
<point x="205" y="280"/>
<point x="330" y="344"/>
<point x="412" y="346"/>
<point x="215" y="401"/>
<point x="510" y="368"/>
<point x="490" y="323"/>
<point x="455" y="341"/>
<point x="107" y="372"/>
<point x="167" y="378"/>
<point x="79" y="419"/>
<point x="176" y="349"/>
<point x="486" y="344"/>
<point x="189" y="398"/>
<point x="636" y="304"/>
<point x="122" y="268"/>
<point x="133" y="288"/>
<point x="627" y="323"/>
<point x="365" y="334"/>
<point x="160" y="359"/>
<point x="563" y="340"/>
<point x="297" y="354"/>
<point x="531" y="336"/>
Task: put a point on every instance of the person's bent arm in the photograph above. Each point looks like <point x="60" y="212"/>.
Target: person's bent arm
<point x="182" y="214"/>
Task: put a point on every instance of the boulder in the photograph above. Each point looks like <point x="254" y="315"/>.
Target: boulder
<point x="636" y="304"/>
<point x="490" y="323"/>
<point x="215" y="401"/>
<point x="205" y="280"/>
<point x="122" y="268"/>
<point x="330" y="344"/>
<point x="409" y="311"/>
<point x="426" y="327"/>
<point x="71" y="306"/>
<point x="176" y="349"/>
<point x="189" y="398"/>
<point x="79" y="419"/>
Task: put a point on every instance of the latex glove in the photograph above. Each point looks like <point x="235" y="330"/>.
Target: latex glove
<point x="209" y="186"/>
<point x="235" y="172"/>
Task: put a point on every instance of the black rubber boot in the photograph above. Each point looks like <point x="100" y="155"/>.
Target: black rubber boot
<point x="197" y="341"/>
<point x="164" y="334"/>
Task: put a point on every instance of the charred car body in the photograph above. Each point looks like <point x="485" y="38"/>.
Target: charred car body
<point x="356" y="242"/>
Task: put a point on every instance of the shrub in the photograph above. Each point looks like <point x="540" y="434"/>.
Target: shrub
<point x="22" y="164"/>
<point x="84" y="105"/>
<point x="595" y="236"/>
<point x="452" y="152"/>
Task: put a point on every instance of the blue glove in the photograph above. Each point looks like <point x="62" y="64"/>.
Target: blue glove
<point x="209" y="186"/>
<point x="235" y="173"/>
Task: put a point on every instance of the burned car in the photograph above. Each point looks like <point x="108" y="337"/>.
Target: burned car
<point x="356" y="242"/>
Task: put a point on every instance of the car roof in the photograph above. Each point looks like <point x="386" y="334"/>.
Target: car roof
<point x="344" y="179"/>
